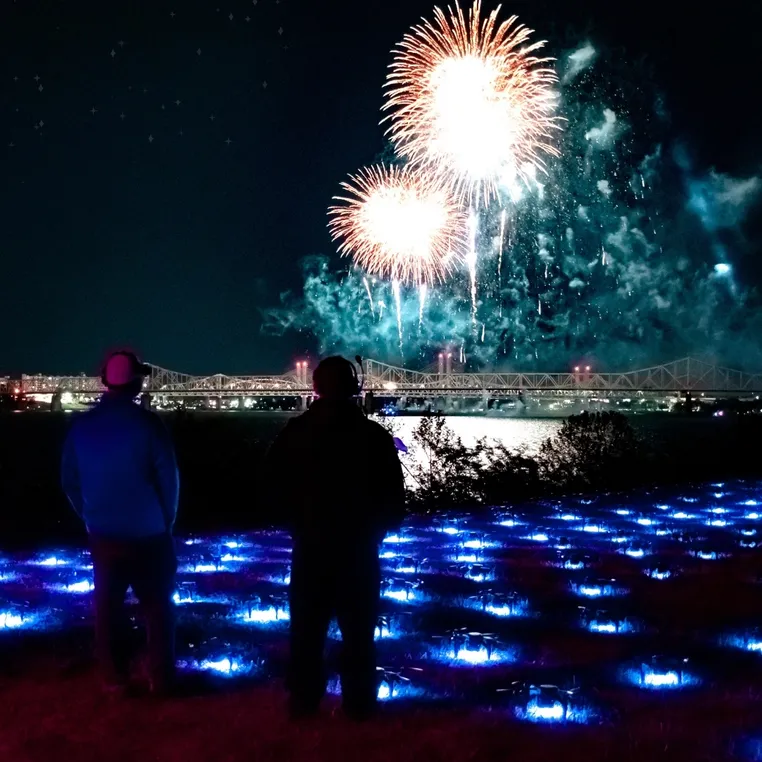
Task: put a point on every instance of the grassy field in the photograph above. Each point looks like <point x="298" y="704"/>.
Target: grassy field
<point x="52" y="708"/>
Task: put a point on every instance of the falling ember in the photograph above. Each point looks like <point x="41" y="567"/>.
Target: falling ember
<point x="468" y="98"/>
<point x="500" y="253"/>
<point x="471" y="260"/>
<point x="399" y="225"/>
<point x="422" y="291"/>
<point x="398" y="303"/>
<point x="370" y="297"/>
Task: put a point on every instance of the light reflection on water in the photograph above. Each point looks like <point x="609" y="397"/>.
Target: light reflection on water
<point x="514" y="433"/>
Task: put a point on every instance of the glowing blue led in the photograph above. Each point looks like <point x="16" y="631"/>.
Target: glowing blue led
<point x="510" y="523"/>
<point x="682" y="515"/>
<point x="659" y="573"/>
<point x="750" y="502"/>
<point x="610" y="626"/>
<point x="644" y="521"/>
<point x="226" y="666"/>
<point x="538" y="537"/>
<point x="266" y="615"/>
<point x="569" y="517"/>
<point x="473" y="655"/>
<point x="718" y="523"/>
<point x="622" y="512"/>
<point x="11" y="621"/>
<point x="388" y="554"/>
<point x="554" y="711"/>
<point x="52" y="561"/>
<point x="594" y="528"/>
<point x="205" y="567"/>
<point x="718" y="510"/>
<point x="450" y="530"/>
<point x="635" y="552"/>
<point x="229" y="558"/>
<point x="748" y="532"/>
<point x="384" y="693"/>
<point x="478" y="544"/>
<point x="467" y="558"/>
<point x="753" y="516"/>
<point x="396" y="538"/>
<point x="400" y="595"/>
<point x="670" y="675"/>
<point x="751" y="641"/>
<point x="82" y="586"/>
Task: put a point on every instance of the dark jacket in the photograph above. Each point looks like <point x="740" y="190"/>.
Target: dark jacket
<point x="335" y="477"/>
<point x="119" y="471"/>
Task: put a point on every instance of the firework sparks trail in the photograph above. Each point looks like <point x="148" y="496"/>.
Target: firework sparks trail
<point x="422" y="291"/>
<point x="469" y="99"/>
<point x="398" y="224"/>
<point x="398" y="303"/>
<point x="471" y="258"/>
<point x="500" y="255"/>
<point x="370" y="297"/>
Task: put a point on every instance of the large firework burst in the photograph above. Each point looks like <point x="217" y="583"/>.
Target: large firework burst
<point x="399" y="224"/>
<point x="469" y="98"/>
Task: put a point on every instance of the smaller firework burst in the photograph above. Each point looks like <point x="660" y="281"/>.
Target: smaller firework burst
<point x="401" y="225"/>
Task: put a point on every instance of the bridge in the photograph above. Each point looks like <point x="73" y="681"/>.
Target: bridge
<point x="689" y="375"/>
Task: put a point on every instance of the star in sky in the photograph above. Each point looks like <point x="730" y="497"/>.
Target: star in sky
<point x="93" y="111"/>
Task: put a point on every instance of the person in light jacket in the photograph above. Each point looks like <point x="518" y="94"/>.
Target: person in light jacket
<point x="120" y="475"/>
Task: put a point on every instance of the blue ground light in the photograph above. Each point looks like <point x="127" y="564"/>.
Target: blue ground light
<point x="439" y="574"/>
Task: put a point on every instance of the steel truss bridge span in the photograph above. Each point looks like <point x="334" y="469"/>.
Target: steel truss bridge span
<point x="682" y="376"/>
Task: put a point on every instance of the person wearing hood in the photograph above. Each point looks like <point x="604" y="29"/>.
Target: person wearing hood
<point x="336" y="479"/>
<point x="119" y="473"/>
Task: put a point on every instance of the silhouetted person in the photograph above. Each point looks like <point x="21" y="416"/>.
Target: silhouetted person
<point x="338" y="481"/>
<point x="119" y="473"/>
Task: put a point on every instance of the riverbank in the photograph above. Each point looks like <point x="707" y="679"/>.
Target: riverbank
<point x="220" y="457"/>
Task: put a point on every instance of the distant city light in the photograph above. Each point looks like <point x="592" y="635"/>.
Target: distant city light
<point x="722" y="268"/>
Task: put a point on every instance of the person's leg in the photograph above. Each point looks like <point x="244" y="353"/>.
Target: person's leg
<point x="112" y="643"/>
<point x="154" y="565"/>
<point x="310" y="604"/>
<point x="357" y="613"/>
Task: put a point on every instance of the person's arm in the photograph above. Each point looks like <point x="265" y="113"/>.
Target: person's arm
<point x="166" y="476"/>
<point x="70" y="481"/>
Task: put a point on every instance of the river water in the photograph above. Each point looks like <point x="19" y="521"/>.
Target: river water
<point x="517" y="434"/>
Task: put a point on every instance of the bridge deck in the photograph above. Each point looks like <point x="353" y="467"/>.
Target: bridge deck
<point x="686" y="375"/>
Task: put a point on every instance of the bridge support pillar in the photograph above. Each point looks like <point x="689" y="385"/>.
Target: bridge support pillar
<point x="145" y="401"/>
<point x="242" y="403"/>
<point x="402" y="403"/>
<point x="367" y="402"/>
<point x="305" y="400"/>
<point x="55" y="403"/>
<point x="485" y="401"/>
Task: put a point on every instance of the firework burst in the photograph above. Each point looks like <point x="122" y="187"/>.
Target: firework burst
<point x="399" y="224"/>
<point x="467" y="97"/>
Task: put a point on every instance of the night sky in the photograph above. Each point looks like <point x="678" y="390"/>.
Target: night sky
<point x="167" y="164"/>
